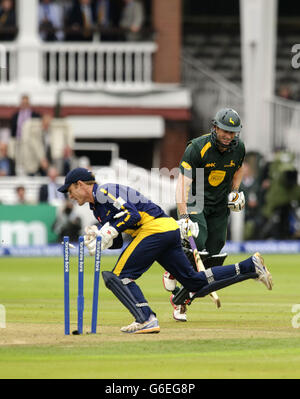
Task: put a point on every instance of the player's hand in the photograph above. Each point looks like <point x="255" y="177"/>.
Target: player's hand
<point x="107" y="234"/>
<point x="90" y="236"/>
<point x="236" y="201"/>
<point x="185" y="224"/>
<point x="91" y="233"/>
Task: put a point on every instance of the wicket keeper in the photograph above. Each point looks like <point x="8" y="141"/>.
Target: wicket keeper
<point x="219" y="155"/>
<point x="155" y="237"/>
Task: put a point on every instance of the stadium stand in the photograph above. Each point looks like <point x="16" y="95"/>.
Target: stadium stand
<point x="221" y="51"/>
<point x="213" y="67"/>
<point x="104" y="87"/>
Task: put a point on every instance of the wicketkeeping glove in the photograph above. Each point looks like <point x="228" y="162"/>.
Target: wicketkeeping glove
<point x="90" y="234"/>
<point x="107" y="233"/>
<point x="185" y="224"/>
<point x="236" y="201"/>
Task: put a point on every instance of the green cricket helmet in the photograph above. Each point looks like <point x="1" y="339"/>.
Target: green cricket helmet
<point x="229" y="120"/>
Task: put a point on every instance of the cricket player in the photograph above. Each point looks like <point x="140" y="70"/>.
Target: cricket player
<point x="219" y="155"/>
<point x="155" y="237"/>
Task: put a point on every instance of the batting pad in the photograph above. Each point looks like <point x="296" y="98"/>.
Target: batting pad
<point x="214" y="260"/>
<point x="219" y="284"/>
<point x="208" y="260"/>
<point x="124" y="295"/>
<point x="181" y="296"/>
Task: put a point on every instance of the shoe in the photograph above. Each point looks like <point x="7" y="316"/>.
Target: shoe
<point x="148" y="327"/>
<point x="169" y="282"/>
<point x="264" y="275"/>
<point x="179" y="311"/>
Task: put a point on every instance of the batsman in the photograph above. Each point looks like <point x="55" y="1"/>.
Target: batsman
<point x="217" y="160"/>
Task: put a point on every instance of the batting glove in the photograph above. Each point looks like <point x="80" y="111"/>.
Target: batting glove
<point x="236" y="201"/>
<point x="185" y="224"/>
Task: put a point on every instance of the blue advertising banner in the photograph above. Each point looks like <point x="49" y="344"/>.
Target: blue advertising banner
<point x="265" y="247"/>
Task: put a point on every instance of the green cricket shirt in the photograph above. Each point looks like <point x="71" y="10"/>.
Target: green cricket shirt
<point x="218" y="169"/>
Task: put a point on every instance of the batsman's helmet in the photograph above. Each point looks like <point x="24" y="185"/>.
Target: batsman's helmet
<point x="229" y="120"/>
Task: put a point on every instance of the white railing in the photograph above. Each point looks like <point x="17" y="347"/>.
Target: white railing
<point x="8" y="185"/>
<point x="211" y="91"/>
<point x="155" y="186"/>
<point x="88" y="65"/>
<point x="95" y="65"/>
<point x="9" y="57"/>
<point x="285" y="125"/>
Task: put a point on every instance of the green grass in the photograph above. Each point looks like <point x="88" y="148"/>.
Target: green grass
<point x="251" y="336"/>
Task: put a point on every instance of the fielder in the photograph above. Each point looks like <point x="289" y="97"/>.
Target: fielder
<point x="220" y="155"/>
<point x="156" y="237"/>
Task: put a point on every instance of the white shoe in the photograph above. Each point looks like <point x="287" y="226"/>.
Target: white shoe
<point x="149" y="326"/>
<point x="264" y="275"/>
<point x="169" y="282"/>
<point x="179" y="311"/>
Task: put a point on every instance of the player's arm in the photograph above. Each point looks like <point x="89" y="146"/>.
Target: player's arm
<point x="182" y="189"/>
<point x="185" y="224"/>
<point x="237" y="179"/>
<point x="124" y="213"/>
<point x="187" y="168"/>
<point x="127" y="215"/>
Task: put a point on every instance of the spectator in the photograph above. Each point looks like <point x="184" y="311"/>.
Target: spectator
<point x="21" y="196"/>
<point x="7" y="20"/>
<point x="17" y="121"/>
<point x="47" y="141"/>
<point x="7" y="167"/>
<point x="4" y="134"/>
<point x="285" y="91"/>
<point x="115" y="11"/>
<point x="67" y="5"/>
<point x="102" y="18"/>
<point x="132" y="19"/>
<point x="51" y="21"/>
<point x="67" y="223"/>
<point x="282" y="198"/>
<point x="58" y="142"/>
<point x="250" y="187"/>
<point x="80" y="21"/>
<point x="24" y="113"/>
<point x="48" y="192"/>
<point x="101" y="9"/>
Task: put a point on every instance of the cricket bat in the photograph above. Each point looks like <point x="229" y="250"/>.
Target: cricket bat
<point x="201" y="268"/>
